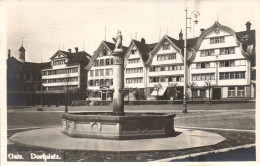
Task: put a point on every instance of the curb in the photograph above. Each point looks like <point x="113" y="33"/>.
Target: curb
<point x="205" y="153"/>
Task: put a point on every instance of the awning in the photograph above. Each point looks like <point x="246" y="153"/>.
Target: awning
<point x="160" y="93"/>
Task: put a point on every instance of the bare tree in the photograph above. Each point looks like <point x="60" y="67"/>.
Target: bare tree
<point x="67" y="90"/>
<point x="208" y="85"/>
<point x="173" y="90"/>
<point x="88" y="93"/>
<point x="192" y="86"/>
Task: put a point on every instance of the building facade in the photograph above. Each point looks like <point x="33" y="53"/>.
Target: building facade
<point x="65" y="75"/>
<point x="100" y="72"/>
<point x="221" y="65"/>
<point x="23" y="80"/>
<point x="223" y="58"/>
<point x="135" y="69"/>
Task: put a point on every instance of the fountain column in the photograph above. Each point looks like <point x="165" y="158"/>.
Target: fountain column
<point x="118" y="81"/>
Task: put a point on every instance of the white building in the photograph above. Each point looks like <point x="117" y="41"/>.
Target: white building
<point x="100" y="72"/>
<point x="165" y="67"/>
<point x="223" y="57"/>
<point x="135" y="68"/>
<point x="66" y="72"/>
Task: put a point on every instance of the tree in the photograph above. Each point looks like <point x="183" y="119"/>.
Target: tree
<point x="88" y="92"/>
<point x="67" y="90"/>
<point x="192" y="86"/>
<point x="208" y="85"/>
<point x="173" y="90"/>
<point x="157" y="87"/>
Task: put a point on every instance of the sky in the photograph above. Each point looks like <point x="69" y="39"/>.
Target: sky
<point x="47" y="26"/>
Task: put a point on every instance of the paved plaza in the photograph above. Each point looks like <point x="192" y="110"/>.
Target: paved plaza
<point x="235" y="126"/>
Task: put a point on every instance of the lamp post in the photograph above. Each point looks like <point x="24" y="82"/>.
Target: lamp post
<point x="195" y="14"/>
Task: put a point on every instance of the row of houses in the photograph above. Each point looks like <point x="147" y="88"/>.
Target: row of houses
<point x="220" y="56"/>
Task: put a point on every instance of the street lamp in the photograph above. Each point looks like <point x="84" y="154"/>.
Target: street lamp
<point x="195" y="14"/>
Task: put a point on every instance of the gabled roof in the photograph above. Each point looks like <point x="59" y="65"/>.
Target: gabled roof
<point x="73" y="57"/>
<point x="108" y="45"/>
<point x="247" y="50"/>
<point x="143" y="49"/>
<point x="248" y="35"/>
<point x="178" y="45"/>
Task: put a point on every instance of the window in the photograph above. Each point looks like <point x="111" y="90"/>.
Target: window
<point x="107" y="72"/>
<point x="194" y="77"/>
<point x="96" y="82"/>
<point x="216" y="40"/>
<point x="211" y="52"/>
<point x="104" y="52"/>
<point x="166" y="47"/>
<point x="242" y="74"/>
<point x="102" y="82"/>
<point x="232" y="75"/>
<point x="203" y="77"/>
<point x="207" y="52"/>
<point x="96" y="72"/>
<point x="96" y="62"/>
<point x="231" y="92"/>
<point x="230" y="50"/>
<point x="172" y="56"/>
<point x="202" y="65"/>
<point x="133" y="51"/>
<point x="101" y="62"/>
<point x="227" y="63"/>
<point x="134" y="80"/>
<point x="163" y="57"/>
<point x="212" y="76"/>
<point x="134" y="70"/>
<point x="107" y="61"/>
<point x="59" y="62"/>
<point x="236" y="74"/>
<point x="107" y="82"/>
<point x="91" y="73"/>
<point x="91" y="83"/>
<point x="226" y="75"/>
<point x="136" y="60"/>
<point x="241" y="91"/>
<point x="101" y="72"/>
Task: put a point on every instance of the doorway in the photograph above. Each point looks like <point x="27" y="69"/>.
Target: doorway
<point x="216" y="94"/>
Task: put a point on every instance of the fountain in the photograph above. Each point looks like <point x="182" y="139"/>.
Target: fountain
<point x="118" y="125"/>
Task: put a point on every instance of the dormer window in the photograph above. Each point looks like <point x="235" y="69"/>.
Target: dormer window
<point x="245" y="38"/>
<point x="166" y="46"/>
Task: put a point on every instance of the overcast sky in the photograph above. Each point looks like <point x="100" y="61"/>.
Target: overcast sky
<point x="48" y="26"/>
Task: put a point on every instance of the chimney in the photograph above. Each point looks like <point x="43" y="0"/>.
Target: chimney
<point x="69" y="50"/>
<point x="181" y="35"/>
<point x="76" y="49"/>
<point x="248" y="25"/>
<point x="202" y="30"/>
<point x="143" y="40"/>
<point x="9" y="54"/>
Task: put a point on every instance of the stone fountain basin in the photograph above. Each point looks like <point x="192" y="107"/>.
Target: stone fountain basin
<point x="104" y="125"/>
